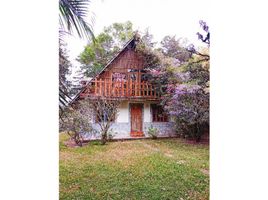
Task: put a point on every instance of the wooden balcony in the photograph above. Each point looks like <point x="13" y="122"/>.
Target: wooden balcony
<point x="121" y="89"/>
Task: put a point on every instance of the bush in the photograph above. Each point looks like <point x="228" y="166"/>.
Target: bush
<point x="111" y="134"/>
<point x="76" y="121"/>
<point x="189" y="106"/>
<point x="153" y="132"/>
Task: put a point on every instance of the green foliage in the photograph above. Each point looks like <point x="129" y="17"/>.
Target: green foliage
<point x="72" y="14"/>
<point x="97" y="54"/>
<point x="72" y="17"/>
<point x="137" y="169"/>
<point x="174" y="48"/>
<point x="76" y="121"/>
<point x="153" y="132"/>
<point x="172" y="66"/>
<point x="64" y="70"/>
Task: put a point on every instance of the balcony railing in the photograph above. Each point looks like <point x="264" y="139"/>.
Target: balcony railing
<point x="122" y="89"/>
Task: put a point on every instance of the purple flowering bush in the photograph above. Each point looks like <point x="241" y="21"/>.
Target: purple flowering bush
<point x="180" y="73"/>
<point x="189" y="107"/>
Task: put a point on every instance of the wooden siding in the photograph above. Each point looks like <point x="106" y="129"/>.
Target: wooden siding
<point x="124" y="77"/>
<point x="128" y="59"/>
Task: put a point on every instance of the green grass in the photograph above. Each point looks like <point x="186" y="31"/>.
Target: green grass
<point x="137" y="169"/>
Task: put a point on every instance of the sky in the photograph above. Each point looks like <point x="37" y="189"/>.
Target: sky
<point x="161" y="17"/>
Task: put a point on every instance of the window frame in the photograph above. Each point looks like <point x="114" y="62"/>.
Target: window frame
<point x="157" y="110"/>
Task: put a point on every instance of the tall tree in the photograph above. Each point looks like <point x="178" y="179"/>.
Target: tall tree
<point x="188" y="99"/>
<point x="72" y="15"/>
<point x="96" y="55"/>
<point x="174" y="48"/>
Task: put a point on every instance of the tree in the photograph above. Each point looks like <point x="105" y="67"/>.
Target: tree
<point x="204" y="57"/>
<point x="105" y="111"/>
<point x="187" y="100"/>
<point x="189" y="106"/>
<point x="71" y="19"/>
<point x="64" y="70"/>
<point x="96" y="55"/>
<point x="76" y="121"/>
<point x="174" y="48"/>
<point x="204" y="38"/>
<point x="182" y="77"/>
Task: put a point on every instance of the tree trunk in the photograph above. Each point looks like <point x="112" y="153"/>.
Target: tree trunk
<point x="104" y="138"/>
<point x="198" y="133"/>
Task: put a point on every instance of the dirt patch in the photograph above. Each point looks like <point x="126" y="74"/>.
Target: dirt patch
<point x="181" y="162"/>
<point x="151" y="147"/>
<point x="165" y="153"/>
<point x="205" y="171"/>
<point x="71" y="143"/>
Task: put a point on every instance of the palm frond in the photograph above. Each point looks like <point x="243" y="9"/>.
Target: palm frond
<point x="72" y="17"/>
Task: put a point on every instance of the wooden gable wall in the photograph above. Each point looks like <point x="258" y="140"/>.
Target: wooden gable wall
<point x="128" y="59"/>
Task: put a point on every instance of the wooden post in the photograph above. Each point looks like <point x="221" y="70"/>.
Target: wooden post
<point x="96" y="87"/>
<point x="100" y="87"/>
<point x="135" y="88"/>
<point x="109" y="88"/>
<point x="105" y="87"/>
<point x="142" y="88"/>
<point x="127" y="88"/>
<point x="116" y="88"/>
<point x="130" y="89"/>
<point x="139" y="88"/>
<point x="122" y="88"/>
<point x="147" y="89"/>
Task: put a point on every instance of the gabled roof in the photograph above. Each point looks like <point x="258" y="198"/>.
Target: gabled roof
<point x="134" y="38"/>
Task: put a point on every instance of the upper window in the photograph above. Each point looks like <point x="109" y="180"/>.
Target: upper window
<point x="158" y="114"/>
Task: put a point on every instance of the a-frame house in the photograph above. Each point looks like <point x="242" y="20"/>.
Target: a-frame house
<point x="124" y="78"/>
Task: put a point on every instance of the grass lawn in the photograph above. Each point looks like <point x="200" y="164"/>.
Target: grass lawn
<point x="137" y="169"/>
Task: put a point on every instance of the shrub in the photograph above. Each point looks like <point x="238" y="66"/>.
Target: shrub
<point x="189" y="106"/>
<point x="153" y="132"/>
<point x="76" y="121"/>
<point x="111" y="134"/>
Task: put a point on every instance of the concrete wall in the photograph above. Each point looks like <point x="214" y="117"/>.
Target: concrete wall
<point x="123" y="114"/>
<point x="147" y="113"/>
<point x="165" y="128"/>
<point x="121" y="127"/>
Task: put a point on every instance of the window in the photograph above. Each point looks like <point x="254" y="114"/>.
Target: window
<point x="158" y="114"/>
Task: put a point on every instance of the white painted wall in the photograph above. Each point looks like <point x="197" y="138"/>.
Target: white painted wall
<point x="147" y="114"/>
<point x="123" y="114"/>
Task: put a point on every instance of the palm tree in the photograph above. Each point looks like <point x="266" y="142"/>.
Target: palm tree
<point x="72" y="19"/>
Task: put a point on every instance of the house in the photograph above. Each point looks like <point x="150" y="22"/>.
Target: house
<point x="125" y="78"/>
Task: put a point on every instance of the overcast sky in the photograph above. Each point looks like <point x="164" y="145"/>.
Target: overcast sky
<point x="162" y="17"/>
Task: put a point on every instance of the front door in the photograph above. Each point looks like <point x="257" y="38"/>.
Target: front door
<point x="136" y="120"/>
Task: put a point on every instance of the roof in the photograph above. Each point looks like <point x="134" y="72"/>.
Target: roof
<point x="135" y="37"/>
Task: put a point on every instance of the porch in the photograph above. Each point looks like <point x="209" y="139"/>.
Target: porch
<point x="121" y="89"/>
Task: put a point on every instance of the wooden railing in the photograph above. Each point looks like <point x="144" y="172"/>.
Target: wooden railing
<point x="108" y="88"/>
